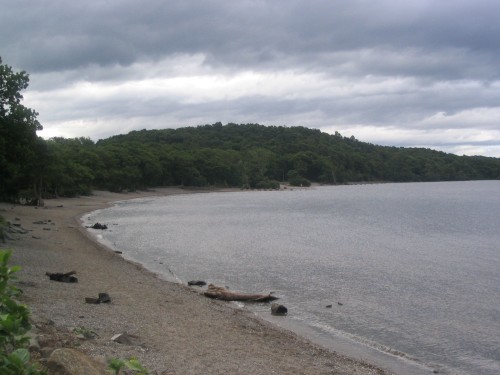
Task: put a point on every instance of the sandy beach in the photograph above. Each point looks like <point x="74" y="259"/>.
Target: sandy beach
<point x="173" y="328"/>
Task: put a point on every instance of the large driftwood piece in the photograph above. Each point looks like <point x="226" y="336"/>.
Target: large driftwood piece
<point x="63" y="277"/>
<point x="217" y="292"/>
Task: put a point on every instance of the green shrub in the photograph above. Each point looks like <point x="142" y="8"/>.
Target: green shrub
<point x="14" y="324"/>
<point x="116" y="365"/>
<point x="268" y="184"/>
<point x="299" y="181"/>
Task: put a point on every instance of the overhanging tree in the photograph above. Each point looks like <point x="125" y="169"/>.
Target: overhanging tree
<point x="18" y="139"/>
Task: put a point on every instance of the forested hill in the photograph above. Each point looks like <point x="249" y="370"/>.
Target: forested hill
<point x="259" y="156"/>
<point x="248" y="156"/>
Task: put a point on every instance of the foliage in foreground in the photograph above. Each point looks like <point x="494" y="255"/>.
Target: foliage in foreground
<point x="116" y="365"/>
<point x="14" y="325"/>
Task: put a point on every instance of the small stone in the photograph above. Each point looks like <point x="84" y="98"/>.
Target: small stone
<point x="124" y="338"/>
<point x="277" y="309"/>
<point x="197" y="283"/>
<point x="104" y="298"/>
<point x="328" y="306"/>
<point x="34" y="344"/>
<point x="92" y="300"/>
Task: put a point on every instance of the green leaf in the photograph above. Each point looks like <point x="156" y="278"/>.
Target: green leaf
<point x="22" y="354"/>
<point x="135" y="365"/>
<point x="116" y="365"/>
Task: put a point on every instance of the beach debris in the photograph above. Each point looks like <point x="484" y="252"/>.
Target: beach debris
<point x="16" y="228"/>
<point x="196" y="283"/>
<point x="98" y="226"/>
<point x="84" y="333"/>
<point x="63" y="277"/>
<point x="223" y="294"/>
<point x="102" y="298"/>
<point x="328" y="306"/>
<point x="340" y="303"/>
<point x="277" y="309"/>
<point x="125" y="339"/>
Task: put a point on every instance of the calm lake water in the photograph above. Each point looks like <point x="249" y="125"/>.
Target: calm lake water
<point x="412" y="271"/>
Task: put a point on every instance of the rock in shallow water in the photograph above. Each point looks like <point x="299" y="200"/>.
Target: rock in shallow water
<point x="277" y="309"/>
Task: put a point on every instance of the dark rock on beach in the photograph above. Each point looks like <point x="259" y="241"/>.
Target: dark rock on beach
<point x="197" y="283"/>
<point x="99" y="226"/>
<point x="102" y="298"/>
<point x="277" y="309"/>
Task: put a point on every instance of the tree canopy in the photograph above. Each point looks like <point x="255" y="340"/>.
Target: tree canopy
<point x="19" y="144"/>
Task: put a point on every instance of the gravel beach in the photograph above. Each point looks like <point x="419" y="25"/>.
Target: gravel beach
<point x="171" y="328"/>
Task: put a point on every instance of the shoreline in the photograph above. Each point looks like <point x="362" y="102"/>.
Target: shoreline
<point x="176" y="329"/>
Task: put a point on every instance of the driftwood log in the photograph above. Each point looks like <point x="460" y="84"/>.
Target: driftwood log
<point x="63" y="277"/>
<point x="223" y="294"/>
<point x="197" y="283"/>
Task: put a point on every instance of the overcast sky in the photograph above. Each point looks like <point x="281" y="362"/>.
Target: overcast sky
<point x="412" y="73"/>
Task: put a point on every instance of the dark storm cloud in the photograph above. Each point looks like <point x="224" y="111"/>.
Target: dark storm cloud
<point x="425" y="68"/>
<point x="58" y="35"/>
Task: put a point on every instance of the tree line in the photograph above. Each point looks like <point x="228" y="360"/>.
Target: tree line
<point x="232" y="155"/>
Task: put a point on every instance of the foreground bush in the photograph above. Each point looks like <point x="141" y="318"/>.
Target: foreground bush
<point x="14" y="325"/>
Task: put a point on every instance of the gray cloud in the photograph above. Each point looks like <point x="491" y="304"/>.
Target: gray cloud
<point x="408" y="69"/>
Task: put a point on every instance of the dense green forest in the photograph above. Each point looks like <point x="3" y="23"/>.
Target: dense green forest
<point x="248" y="156"/>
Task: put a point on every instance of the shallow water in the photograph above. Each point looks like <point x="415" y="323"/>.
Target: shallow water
<point x="415" y="267"/>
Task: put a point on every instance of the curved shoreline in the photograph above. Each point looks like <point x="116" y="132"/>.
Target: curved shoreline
<point x="177" y="330"/>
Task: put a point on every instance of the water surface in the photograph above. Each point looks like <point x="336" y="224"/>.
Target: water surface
<point x="412" y="271"/>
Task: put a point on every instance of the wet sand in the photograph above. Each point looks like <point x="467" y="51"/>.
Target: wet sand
<point x="174" y="329"/>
